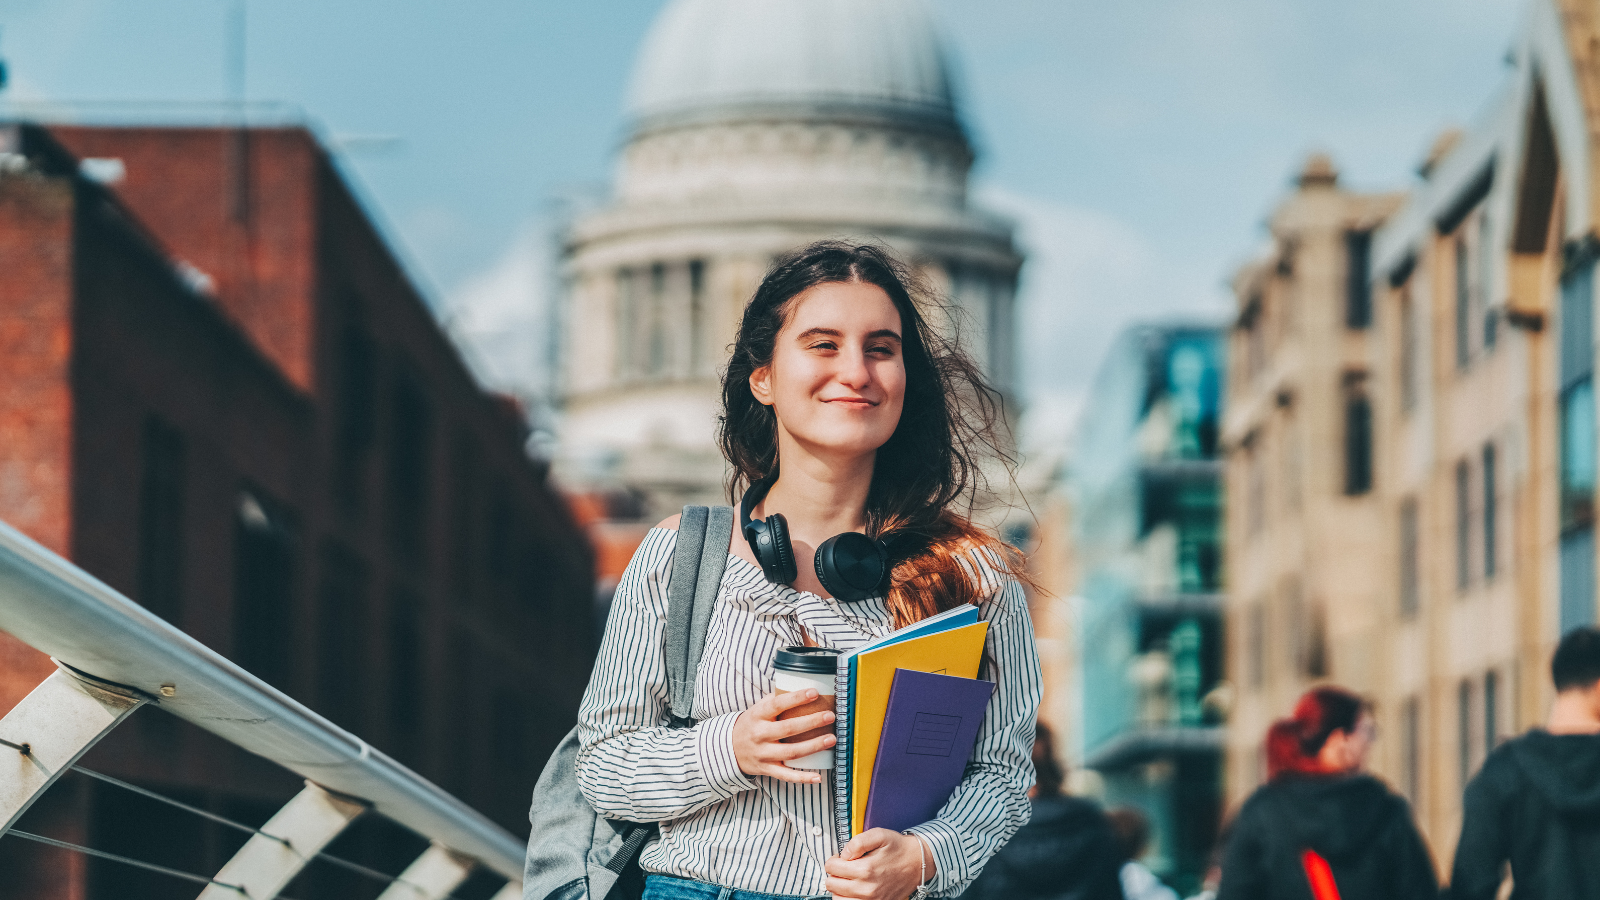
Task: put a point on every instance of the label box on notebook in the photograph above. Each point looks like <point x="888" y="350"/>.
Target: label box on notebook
<point x="928" y="735"/>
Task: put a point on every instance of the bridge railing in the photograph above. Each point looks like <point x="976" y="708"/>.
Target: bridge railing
<point x="113" y="656"/>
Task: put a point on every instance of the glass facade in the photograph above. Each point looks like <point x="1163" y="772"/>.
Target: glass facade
<point x="1578" y="450"/>
<point x="1146" y="481"/>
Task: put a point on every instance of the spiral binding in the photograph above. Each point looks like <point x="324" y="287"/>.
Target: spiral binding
<point x="841" y="751"/>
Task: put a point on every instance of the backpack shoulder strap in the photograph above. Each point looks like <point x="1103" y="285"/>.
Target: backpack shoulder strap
<point x="698" y="560"/>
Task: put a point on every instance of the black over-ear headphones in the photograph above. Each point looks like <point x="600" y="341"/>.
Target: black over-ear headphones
<point x="851" y="566"/>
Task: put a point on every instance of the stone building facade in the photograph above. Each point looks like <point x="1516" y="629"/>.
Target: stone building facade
<point x="1473" y="548"/>
<point x="225" y="400"/>
<point x="755" y="128"/>
<point x="1299" y="447"/>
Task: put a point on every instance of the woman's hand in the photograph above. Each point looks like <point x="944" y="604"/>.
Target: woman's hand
<point x="758" y="736"/>
<point x="879" y="865"/>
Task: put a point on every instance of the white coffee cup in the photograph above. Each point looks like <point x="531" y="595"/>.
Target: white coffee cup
<point x="798" y="668"/>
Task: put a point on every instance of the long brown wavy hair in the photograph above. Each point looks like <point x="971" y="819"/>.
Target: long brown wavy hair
<point x="950" y="419"/>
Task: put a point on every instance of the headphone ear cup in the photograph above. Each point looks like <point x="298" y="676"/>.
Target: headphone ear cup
<point x="852" y="566"/>
<point x="782" y="568"/>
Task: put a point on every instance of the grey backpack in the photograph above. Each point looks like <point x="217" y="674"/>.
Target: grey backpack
<point x="573" y="852"/>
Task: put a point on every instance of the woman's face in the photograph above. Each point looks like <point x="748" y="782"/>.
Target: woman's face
<point x="837" y="380"/>
<point x="1347" y="751"/>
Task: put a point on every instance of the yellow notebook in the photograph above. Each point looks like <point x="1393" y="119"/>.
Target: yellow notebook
<point x="956" y="652"/>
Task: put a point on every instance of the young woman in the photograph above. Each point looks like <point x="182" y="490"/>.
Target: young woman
<point x="843" y="411"/>
<point x="1319" y="820"/>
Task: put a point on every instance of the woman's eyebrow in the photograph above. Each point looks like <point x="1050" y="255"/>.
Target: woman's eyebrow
<point x="810" y="333"/>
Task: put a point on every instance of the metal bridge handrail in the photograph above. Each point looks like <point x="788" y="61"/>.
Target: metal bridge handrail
<point x="57" y="608"/>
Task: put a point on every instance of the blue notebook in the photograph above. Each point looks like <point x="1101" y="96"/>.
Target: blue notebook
<point x="928" y="735"/>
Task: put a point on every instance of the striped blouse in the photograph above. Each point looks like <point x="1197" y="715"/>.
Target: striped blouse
<point x="756" y="833"/>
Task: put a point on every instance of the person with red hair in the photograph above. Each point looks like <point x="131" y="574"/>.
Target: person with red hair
<point x="1321" y="827"/>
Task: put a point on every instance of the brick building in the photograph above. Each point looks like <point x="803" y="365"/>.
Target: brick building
<point x="225" y="399"/>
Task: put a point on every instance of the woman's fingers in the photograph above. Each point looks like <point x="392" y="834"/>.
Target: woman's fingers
<point x="788" y="728"/>
<point x="806" y="748"/>
<point x="772" y="704"/>
<point x="866" y="842"/>
<point x="852" y="869"/>
<point x="844" y="887"/>
<point x="794" y="776"/>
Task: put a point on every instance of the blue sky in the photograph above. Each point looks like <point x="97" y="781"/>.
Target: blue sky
<point x="1140" y="143"/>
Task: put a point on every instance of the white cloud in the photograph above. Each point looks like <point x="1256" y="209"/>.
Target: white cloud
<point x="500" y="318"/>
<point x="1088" y="275"/>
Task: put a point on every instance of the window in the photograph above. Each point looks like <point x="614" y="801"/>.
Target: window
<point x="1289" y="444"/>
<point x="1410" y="358"/>
<point x="341" y="636"/>
<point x="1463" y="303"/>
<point x="161" y="497"/>
<point x="1254" y="324"/>
<point x="1578" y="463"/>
<point x="406" y="726"/>
<point x="627" y="312"/>
<point x="1411" y="749"/>
<point x="1491" y="318"/>
<point x="1256" y="489"/>
<point x="1314" y="651"/>
<point x="409" y="458"/>
<point x="1358" y="294"/>
<point x="1463" y="526"/>
<point x="1307" y="651"/>
<point x="656" y="352"/>
<point x="1491" y="711"/>
<point x="1410" y="571"/>
<point x="1257" y="644"/>
<point x="1464" y="731"/>
<point x="464" y="460"/>
<point x="697" y="316"/>
<point x="355" y="429"/>
<point x="1357" y="444"/>
<point x="1490" y="511"/>
<point x="1578" y="460"/>
<point x="263" y="588"/>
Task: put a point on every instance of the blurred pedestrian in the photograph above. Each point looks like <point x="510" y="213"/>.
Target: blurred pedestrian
<point x="1320" y="827"/>
<point x="1133" y="838"/>
<point x="1067" y="851"/>
<point x="1536" y="801"/>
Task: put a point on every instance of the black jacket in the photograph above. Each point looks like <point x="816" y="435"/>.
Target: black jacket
<point x="1065" y="852"/>
<point x="1364" y="832"/>
<point x="1536" y="803"/>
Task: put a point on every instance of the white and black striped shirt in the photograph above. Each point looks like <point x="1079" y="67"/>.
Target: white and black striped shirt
<point x="756" y="833"/>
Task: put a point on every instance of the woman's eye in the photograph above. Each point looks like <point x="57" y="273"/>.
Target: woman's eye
<point x="885" y="350"/>
<point x="824" y="345"/>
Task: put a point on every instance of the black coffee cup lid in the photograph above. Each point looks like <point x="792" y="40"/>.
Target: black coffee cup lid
<point x="817" y="660"/>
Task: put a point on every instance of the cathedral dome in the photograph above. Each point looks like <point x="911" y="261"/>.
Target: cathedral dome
<point x="730" y="59"/>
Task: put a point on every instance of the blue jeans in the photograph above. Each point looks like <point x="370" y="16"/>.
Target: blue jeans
<point x="665" y="887"/>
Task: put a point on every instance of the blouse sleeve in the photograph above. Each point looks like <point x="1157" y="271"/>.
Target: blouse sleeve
<point x="630" y="765"/>
<point x="991" y="802"/>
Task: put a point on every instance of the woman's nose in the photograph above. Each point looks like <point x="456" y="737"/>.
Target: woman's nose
<point x="853" y="369"/>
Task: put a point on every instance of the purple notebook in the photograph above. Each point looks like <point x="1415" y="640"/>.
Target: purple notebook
<point x="928" y="733"/>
